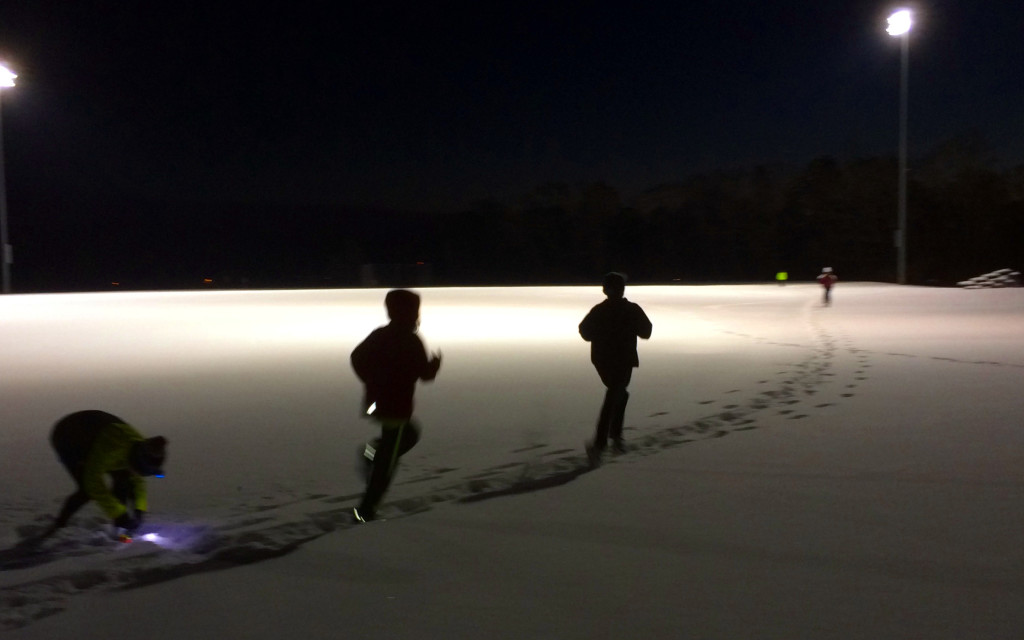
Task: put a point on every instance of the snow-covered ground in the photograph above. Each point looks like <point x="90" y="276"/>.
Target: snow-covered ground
<point x="796" y="471"/>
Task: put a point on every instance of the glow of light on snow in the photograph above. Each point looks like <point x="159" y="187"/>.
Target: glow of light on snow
<point x="182" y="538"/>
<point x="447" y="323"/>
<point x="899" y="22"/>
<point x="168" y="331"/>
<point x="540" y="314"/>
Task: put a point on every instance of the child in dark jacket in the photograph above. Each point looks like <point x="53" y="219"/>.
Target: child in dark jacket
<point x="389" y="362"/>
<point x="612" y="328"/>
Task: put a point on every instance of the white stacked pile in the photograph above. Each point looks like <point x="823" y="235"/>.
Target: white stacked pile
<point x="996" y="279"/>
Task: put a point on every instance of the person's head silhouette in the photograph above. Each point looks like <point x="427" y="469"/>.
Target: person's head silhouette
<point x="403" y="307"/>
<point x="614" y="284"/>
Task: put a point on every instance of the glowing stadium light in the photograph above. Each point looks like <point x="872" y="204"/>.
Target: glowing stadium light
<point x="899" y="25"/>
<point x="6" y="76"/>
<point x="6" y="80"/>
<point x="900" y="22"/>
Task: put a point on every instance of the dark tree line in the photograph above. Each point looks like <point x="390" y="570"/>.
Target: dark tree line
<point x="966" y="217"/>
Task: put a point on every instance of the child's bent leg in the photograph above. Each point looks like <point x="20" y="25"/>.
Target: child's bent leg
<point x="385" y="459"/>
<point x="73" y="503"/>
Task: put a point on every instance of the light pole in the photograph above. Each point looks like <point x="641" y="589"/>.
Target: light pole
<point x="899" y="25"/>
<point x="6" y="255"/>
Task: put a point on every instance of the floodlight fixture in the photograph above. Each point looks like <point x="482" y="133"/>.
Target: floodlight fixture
<point x="899" y="25"/>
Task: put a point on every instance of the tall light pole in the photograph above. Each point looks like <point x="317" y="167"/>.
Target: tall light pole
<point x="899" y="25"/>
<point x="6" y="255"/>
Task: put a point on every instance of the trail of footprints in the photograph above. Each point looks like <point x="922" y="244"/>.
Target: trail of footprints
<point x="266" y="531"/>
<point x="794" y="388"/>
<point x="270" y="530"/>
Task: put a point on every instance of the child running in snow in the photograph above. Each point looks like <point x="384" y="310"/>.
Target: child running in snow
<point x="389" y="362"/>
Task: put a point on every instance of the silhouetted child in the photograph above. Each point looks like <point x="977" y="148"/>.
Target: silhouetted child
<point x="389" y="362"/>
<point x="93" y="444"/>
<point x="827" y="279"/>
<point x="612" y="328"/>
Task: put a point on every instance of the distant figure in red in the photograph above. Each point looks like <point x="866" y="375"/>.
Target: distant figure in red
<point x="612" y="328"/>
<point x="827" y="279"/>
<point x="389" y="362"/>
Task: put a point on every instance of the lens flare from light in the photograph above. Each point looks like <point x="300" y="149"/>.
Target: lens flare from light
<point x="7" y="77"/>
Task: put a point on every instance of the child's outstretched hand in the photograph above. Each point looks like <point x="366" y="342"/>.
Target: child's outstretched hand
<point x="434" y="365"/>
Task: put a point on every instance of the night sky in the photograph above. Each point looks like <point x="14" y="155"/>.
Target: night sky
<point x="433" y="107"/>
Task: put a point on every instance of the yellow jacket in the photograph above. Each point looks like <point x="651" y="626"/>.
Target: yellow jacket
<point x="111" y="452"/>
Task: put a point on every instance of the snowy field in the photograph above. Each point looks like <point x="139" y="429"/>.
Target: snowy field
<point x="795" y="470"/>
